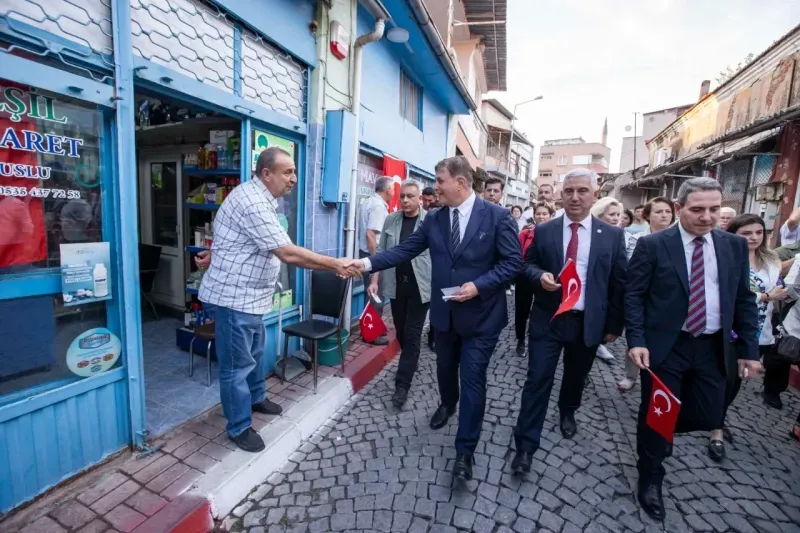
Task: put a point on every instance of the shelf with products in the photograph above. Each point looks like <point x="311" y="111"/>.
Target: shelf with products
<point x="202" y="207"/>
<point x="209" y="173"/>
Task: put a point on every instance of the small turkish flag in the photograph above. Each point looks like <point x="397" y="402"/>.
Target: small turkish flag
<point x="570" y="287"/>
<point x="662" y="413"/>
<point x="397" y="170"/>
<point x="372" y="325"/>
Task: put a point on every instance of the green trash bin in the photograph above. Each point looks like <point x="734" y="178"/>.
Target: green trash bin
<point x="328" y="349"/>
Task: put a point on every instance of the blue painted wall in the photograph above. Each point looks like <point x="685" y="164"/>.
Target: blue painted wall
<point x="382" y="126"/>
<point x="40" y="447"/>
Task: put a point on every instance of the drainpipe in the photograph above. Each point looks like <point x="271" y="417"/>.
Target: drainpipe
<point x="350" y="246"/>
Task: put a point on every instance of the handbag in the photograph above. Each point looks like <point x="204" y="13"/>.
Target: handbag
<point x="787" y="346"/>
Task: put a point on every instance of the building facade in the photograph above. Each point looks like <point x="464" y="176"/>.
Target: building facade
<point x="745" y="133"/>
<point x="558" y="156"/>
<point x="124" y="127"/>
<point x="651" y="124"/>
<point x="512" y="164"/>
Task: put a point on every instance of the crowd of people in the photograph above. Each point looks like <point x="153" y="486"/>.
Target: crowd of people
<point x="699" y="295"/>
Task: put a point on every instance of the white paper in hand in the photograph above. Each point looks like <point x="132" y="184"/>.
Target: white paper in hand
<point x="449" y="292"/>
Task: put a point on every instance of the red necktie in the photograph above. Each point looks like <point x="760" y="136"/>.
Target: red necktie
<point x="572" y="247"/>
<point x="696" y="321"/>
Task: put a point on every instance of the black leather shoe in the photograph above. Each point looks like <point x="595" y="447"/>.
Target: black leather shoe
<point x="651" y="501"/>
<point x="400" y="396"/>
<point x="462" y="469"/>
<point x="522" y="463"/>
<point x="380" y="341"/>
<point x="441" y="416"/>
<point x="248" y="440"/>
<point x="568" y="425"/>
<point x="521" y="348"/>
<point x="773" y="400"/>
<point x="267" y="407"/>
<point x="716" y="450"/>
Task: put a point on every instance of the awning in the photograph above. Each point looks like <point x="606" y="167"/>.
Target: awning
<point x="767" y="123"/>
<point x="712" y="154"/>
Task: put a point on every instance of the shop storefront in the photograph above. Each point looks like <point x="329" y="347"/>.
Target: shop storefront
<point x="122" y="129"/>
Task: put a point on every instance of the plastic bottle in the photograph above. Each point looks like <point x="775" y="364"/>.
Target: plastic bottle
<point x="100" y="276"/>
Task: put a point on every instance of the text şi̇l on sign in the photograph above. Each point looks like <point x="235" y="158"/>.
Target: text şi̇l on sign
<point x="18" y="104"/>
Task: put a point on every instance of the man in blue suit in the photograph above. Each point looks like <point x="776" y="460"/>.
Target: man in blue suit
<point x="598" y="251"/>
<point x="688" y="289"/>
<point x="474" y="248"/>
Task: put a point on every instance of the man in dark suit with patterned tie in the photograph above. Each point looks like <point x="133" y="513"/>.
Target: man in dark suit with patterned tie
<point x="687" y="290"/>
<point x="598" y="251"/>
<point x="474" y="249"/>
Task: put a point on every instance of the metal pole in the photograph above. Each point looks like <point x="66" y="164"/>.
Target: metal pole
<point x="450" y="9"/>
<point x="635" y="142"/>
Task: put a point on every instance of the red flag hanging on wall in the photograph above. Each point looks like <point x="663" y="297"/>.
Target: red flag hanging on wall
<point x="397" y="170"/>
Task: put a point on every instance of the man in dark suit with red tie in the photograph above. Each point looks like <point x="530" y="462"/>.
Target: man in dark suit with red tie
<point x="598" y="251"/>
<point x="687" y="290"/>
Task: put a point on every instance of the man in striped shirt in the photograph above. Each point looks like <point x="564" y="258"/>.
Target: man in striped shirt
<point x="249" y="247"/>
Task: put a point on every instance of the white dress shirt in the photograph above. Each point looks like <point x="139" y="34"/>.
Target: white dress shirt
<point x="464" y="212"/>
<point x="789" y="236"/>
<point x="582" y="258"/>
<point x="713" y="312"/>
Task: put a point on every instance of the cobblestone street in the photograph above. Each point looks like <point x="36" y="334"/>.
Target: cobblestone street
<point x="374" y="469"/>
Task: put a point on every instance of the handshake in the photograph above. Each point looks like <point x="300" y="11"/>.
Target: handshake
<point x="349" y="268"/>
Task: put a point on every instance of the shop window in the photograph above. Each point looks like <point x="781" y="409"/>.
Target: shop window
<point x="47" y="344"/>
<point x="49" y="177"/>
<point x="288" y="211"/>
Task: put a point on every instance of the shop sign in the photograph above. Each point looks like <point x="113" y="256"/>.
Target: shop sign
<point x="23" y="108"/>
<point x="93" y="352"/>
<point x="85" y="276"/>
<point x="263" y="140"/>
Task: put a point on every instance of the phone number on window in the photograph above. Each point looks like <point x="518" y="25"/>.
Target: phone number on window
<point x="39" y="192"/>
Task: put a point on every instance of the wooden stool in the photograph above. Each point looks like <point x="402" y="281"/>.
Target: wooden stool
<point x="204" y="333"/>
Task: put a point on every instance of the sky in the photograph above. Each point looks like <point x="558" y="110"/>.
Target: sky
<point x="593" y="59"/>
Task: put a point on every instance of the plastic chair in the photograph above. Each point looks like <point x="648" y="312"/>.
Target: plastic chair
<point x="328" y="293"/>
<point x="206" y="332"/>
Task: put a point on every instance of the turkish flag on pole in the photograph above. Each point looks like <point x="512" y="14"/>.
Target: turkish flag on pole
<point x="570" y="287"/>
<point x="372" y="325"/>
<point x="397" y="170"/>
<point x="662" y="413"/>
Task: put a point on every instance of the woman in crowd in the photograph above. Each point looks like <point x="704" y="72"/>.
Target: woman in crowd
<point x="660" y="214"/>
<point x="516" y="213"/>
<point x="778" y="369"/>
<point x="765" y="273"/>
<point x="523" y="296"/>
<point x="608" y="210"/>
<point x="627" y="218"/>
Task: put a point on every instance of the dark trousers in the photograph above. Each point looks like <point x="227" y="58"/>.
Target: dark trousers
<point x="776" y="374"/>
<point x="693" y="371"/>
<point x="463" y="360"/>
<point x="523" y="298"/>
<point x="408" y="313"/>
<point x="734" y="382"/>
<point x="566" y="333"/>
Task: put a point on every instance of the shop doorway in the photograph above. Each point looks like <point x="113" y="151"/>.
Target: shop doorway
<point x="188" y="161"/>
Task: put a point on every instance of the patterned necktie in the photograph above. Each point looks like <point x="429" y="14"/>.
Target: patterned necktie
<point x="455" y="231"/>
<point x="572" y="247"/>
<point x="696" y="321"/>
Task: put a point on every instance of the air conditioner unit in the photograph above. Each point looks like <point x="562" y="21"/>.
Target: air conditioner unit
<point x="662" y="156"/>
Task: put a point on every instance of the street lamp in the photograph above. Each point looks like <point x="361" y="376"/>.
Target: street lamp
<point x="511" y="137"/>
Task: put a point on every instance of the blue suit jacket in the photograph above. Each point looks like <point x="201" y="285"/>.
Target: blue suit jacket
<point x="605" y="279"/>
<point x="489" y="256"/>
<point x="657" y="297"/>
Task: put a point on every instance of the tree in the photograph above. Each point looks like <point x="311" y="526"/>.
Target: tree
<point x="729" y="72"/>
